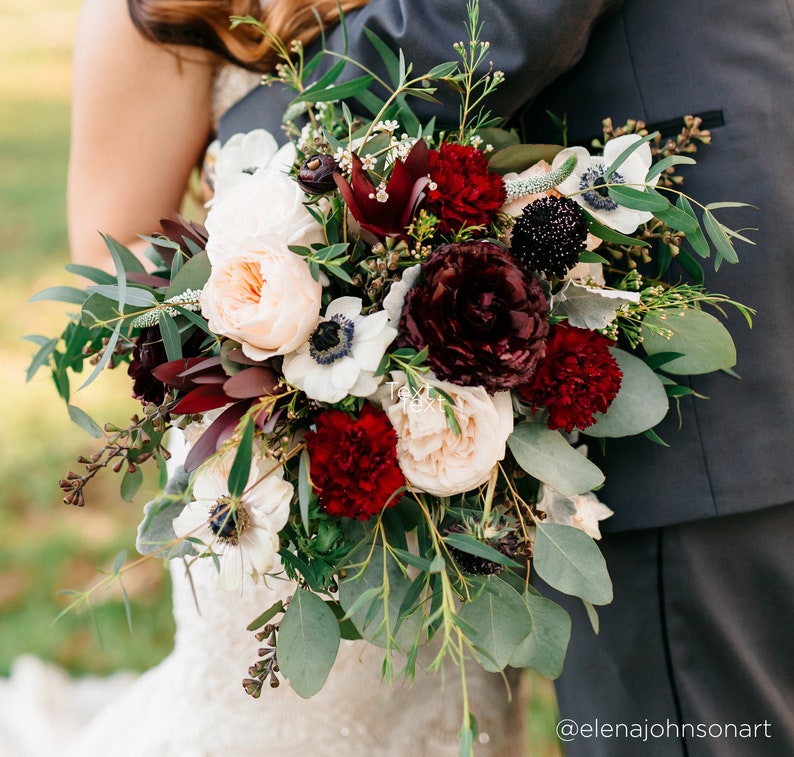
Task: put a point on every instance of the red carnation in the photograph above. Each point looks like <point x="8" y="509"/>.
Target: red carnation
<point x="354" y="466"/>
<point x="480" y="314"/>
<point x="578" y="378"/>
<point x="463" y="191"/>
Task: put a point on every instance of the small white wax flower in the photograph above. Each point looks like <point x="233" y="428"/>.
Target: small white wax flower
<point x="342" y="354"/>
<point x="241" y="532"/>
<point x="583" y="511"/>
<point x="585" y="184"/>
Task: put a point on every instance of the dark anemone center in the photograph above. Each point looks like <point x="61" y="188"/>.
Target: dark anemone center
<point x="595" y="193"/>
<point x="326" y="336"/>
<point x="227" y="520"/>
<point x="331" y="340"/>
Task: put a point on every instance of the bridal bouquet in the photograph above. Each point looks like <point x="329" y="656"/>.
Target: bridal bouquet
<point x="389" y="348"/>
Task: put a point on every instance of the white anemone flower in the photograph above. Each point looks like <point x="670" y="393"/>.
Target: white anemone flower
<point x="342" y="354"/>
<point x="585" y="184"/>
<point x="242" y="532"/>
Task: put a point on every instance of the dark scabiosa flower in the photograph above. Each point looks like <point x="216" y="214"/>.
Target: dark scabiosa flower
<point x="463" y="192"/>
<point x="480" y="314"/>
<point x="387" y="210"/>
<point x="549" y="235"/>
<point x="316" y="174"/>
<point x="578" y="378"/>
<point x="354" y="466"/>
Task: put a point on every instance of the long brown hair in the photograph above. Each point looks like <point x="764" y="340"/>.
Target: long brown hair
<point x="205" y="24"/>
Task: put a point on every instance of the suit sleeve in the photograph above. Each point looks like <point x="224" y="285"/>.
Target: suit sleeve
<point x="531" y="41"/>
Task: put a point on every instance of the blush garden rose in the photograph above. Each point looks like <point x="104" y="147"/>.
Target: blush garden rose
<point x="435" y="457"/>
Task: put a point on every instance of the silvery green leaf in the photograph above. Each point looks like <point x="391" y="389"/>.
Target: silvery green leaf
<point x="192" y="275"/>
<point x="567" y="559"/>
<point x="307" y="644"/>
<point x="590" y="307"/>
<point x="704" y="343"/>
<point x="545" y="646"/>
<point x="499" y="620"/>
<point x="156" y="530"/>
<point x="641" y="402"/>
<point x="368" y="616"/>
<point x="546" y="455"/>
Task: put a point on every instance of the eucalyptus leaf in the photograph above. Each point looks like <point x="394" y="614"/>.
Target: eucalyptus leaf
<point x="671" y="160"/>
<point x="125" y="261"/>
<point x="704" y="343"/>
<point x="719" y="239"/>
<point x="337" y="91"/>
<point x="241" y="467"/>
<point x="170" y="333"/>
<point x="192" y="275"/>
<point x="71" y="295"/>
<point x="370" y="586"/>
<point x="304" y="489"/>
<point x="568" y="560"/>
<point x="156" y="530"/>
<point x="41" y="357"/>
<point x="130" y="483"/>
<point x="307" y="644"/>
<point x="97" y="275"/>
<point x="387" y="55"/>
<point x="134" y="296"/>
<point x="677" y="219"/>
<point x="472" y="546"/>
<point x="545" y="646"/>
<point x="695" y="238"/>
<point x="640" y="404"/>
<point x="598" y="229"/>
<point x="636" y="199"/>
<point x="499" y="620"/>
<point x="546" y="455"/>
<point x="85" y="421"/>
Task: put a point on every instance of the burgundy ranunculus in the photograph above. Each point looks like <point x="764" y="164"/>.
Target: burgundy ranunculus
<point x="316" y="175"/>
<point x="480" y="314"/>
<point x="387" y="213"/>
<point x="578" y="377"/>
<point x="147" y="354"/>
<point x="354" y="464"/>
<point x="463" y="191"/>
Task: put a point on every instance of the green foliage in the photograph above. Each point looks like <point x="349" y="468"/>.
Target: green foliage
<point x="548" y="457"/>
<point x="568" y="559"/>
<point x="308" y="641"/>
<point x="641" y="402"/>
<point x="702" y="343"/>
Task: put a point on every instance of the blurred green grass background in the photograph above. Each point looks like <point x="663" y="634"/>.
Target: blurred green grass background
<point x="46" y="546"/>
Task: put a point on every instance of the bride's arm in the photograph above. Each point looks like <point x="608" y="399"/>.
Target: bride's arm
<point x="140" y="122"/>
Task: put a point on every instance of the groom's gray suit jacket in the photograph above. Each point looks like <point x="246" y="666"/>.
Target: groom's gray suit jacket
<point x="656" y="60"/>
